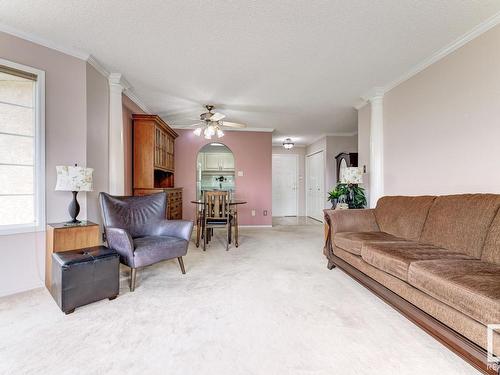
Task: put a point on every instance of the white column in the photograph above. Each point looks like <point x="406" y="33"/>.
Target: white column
<point x="376" y="148"/>
<point x="116" y="143"/>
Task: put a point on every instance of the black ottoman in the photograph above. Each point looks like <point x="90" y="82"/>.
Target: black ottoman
<point x="84" y="276"/>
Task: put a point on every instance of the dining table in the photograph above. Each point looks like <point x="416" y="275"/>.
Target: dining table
<point x="200" y="219"/>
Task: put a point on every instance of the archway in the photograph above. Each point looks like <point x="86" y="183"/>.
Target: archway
<point x="214" y="169"/>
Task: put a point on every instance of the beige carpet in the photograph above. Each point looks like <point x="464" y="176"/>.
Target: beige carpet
<point x="268" y="307"/>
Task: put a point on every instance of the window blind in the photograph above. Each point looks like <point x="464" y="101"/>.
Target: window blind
<point x="17" y="73"/>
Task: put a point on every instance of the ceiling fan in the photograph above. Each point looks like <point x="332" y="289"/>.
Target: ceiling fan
<point x="211" y="124"/>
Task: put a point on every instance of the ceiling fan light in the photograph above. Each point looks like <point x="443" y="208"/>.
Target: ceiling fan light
<point x="220" y="133"/>
<point x="209" y="130"/>
<point x="208" y="136"/>
<point x="197" y="131"/>
<point x="288" y="144"/>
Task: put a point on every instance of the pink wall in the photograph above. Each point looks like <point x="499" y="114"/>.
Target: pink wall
<point x="253" y="155"/>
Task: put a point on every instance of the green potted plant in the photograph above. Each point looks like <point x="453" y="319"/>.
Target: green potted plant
<point x="337" y="193"/>
<point x="352" y="194"/>
<point x="357" y="198"/>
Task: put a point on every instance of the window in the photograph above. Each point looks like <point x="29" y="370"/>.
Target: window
<point x="22" y="161"/>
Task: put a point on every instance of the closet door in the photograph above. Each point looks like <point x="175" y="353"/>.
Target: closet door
<point x="315" y="185"/>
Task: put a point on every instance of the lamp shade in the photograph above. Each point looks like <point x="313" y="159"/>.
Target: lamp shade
<point x="73" y="178"/>
<point x="352" y="175"/>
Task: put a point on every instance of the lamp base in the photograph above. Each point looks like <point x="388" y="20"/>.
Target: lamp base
<point x="74" y="209"/>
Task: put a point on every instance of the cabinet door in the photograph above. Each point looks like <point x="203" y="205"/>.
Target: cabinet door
<point x="157" y="146"/>
<point x="212" y="162"/>
<point x="227" y="161"/>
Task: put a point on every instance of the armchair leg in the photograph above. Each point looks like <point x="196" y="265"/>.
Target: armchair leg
<point x="181" y="264"/>
<point x="133" y="272"/>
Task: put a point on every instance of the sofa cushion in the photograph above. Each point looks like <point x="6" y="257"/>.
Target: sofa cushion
<point x="353" y="241"/>
<point x="470" y="286"/>
<point x="147" y="249"/>
<point x="491" y="249"/>
<point x="460" y="222"/>
<point x="396" y="257"/>
<point x="403" y="216"/>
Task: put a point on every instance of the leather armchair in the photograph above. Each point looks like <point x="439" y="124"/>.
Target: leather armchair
<point x="137" y="229"/>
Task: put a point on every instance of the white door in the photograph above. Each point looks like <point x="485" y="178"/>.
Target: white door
<point x="285" y="182"/>
<point x="315" y="185"/>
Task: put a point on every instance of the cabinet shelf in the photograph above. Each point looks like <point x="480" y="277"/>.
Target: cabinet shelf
<point x="154" y="161"/>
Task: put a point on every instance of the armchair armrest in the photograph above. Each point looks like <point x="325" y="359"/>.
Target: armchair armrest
<point x="120" y="240"/>
<point x="337" y="221"/>
<point x="174" y="228"/>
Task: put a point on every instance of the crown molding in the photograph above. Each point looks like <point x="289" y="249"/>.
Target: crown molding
<point x="98" y="66"/>
<point x="360" y="104"/>
<point x="448" y="49"/>
<point x="443" y="52"/>
<point x="374" y="94"/>
<point x="345" y="134"/>
<point x="114" y="78"/>
<point x="117" y="78"/>
<point x="133" y="96"/>
<point x="43" y="42"/>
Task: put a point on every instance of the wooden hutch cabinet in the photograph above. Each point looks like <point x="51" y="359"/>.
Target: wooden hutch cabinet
<point x="153" y="166"/>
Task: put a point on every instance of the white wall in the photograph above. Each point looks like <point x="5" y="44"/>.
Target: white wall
<point x="65" y="127"/>
<point x="97" y="138"/>
<point x="301" y="152"/>
<point x="364" y="117"/>
<point x="442" y="126"/>
<point x="332" y="146"/>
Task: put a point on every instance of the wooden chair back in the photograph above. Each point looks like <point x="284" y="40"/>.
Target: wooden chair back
<point x="216" y="204"/>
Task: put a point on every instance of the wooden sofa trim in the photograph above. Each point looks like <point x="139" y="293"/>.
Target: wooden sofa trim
<point x="460" y="345"/>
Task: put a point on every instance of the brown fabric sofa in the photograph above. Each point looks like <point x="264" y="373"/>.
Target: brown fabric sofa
<point x="436" y="259"/>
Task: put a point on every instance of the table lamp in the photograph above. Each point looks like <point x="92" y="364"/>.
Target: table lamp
<point x="352" y="176"/>
<point x="74" y="179"/>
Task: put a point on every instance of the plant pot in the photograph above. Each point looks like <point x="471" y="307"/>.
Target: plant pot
<point x="334" y="203"/>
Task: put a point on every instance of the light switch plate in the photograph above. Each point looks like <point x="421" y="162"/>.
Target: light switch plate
<point x="253" y="212"/>
<point x="240" y="173"/>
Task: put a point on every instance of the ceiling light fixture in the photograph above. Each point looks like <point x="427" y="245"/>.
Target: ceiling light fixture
<point x="209" y="129"/>
<point x="288" y="144"/>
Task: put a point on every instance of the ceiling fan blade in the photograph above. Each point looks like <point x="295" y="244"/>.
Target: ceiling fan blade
<point x="217" y="117"/>
<point x="184" y="123"/>
<point x="185" y="126"/>
<point x="233" y="124"/>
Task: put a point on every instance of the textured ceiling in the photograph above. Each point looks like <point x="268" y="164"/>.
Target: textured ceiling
<point x="295" y="66"/>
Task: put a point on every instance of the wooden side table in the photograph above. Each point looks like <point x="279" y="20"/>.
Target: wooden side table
<point x="64" y="237"/>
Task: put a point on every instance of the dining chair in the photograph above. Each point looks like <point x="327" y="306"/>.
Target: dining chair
<point x="217" y="214"/>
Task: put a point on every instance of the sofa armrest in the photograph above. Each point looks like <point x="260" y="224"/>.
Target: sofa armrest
<point x="362" y="220"/>
<point x="174" y="228"/>
<point x="337" y="221"/>
<point x="120" y="240"/>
